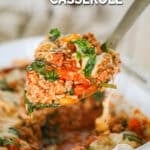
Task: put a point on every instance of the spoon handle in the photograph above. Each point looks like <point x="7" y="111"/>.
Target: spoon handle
<point x="127" y="21"/>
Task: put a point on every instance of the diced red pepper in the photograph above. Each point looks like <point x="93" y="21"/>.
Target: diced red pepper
<point x="135" y="125"/>
<point x="79" y="90"/>
<point x="84" y="90"/>
<point x="73" y="76"/>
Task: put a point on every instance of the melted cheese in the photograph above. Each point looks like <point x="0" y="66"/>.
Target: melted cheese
<point x="74" y="55"/>
<point x="99" y="59"/>
<point x="84" y="61"/>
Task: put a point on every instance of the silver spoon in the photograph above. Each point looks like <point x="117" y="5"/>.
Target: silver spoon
<point x="138" y="6"/>
<point x="135" y="10"/>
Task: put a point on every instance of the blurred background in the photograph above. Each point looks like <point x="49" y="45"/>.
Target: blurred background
<point x="28" y="18"/>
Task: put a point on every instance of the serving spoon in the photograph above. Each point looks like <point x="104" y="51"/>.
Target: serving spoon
<point x="52" y="76"/>
<point x="134" y="11"/>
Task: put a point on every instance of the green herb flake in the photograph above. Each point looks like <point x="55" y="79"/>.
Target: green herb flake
<point x="6" y="141"/>
<point x="78" y="55"/>
<point x="108" y="85"/>
<point x="51" y="76"/>
<point x="132" y="137"/>
<point x="30" y="107"/>
<point x="39" y="67"/>
<point x="84" y="46"/>
<point x="90" y="65"/>
<point x="54" y="34"/>
<point x="4" y="86"/>
<point x="97" y="96"/>
<point x="41" y="105"/>
<point x="104" y="47"/>
<point x="13" y="131"/>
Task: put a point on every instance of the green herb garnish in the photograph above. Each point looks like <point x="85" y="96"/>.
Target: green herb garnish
<point x="41" y="105"/>
<point x="98" y="96"/>
<point x="30" y="107"/>
<point x="104" y="47"/>
<point x="39" y="67"/>
<point x="84" y="46"/>
<point x="13" y="131"/>
<point x="78" y="55"/>
<point x="51" y="75"/>
<point x="54" y="34"/>
<point x="108" y="85"/>
<point x="90" y="65"/>
<point x="6" y="141"/>
<point x="4" y="86"/>
<point x="132" y="137"/>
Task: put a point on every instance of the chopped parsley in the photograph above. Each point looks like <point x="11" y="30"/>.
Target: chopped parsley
<point x="98" y="96"/>
<point x="90" y="65"/>
<point x="54" y="34"/>
<point x="108" y="85"/>
<point x="13" y="131"/>
<point x="30" y="107"/>
<point x="4" y="86"/>
<point x="104" y="47"/>
<point x="7" y="141"/>
<point x="39" y="67"/>
<point x="132" y="137"/>
<point x="41" y="105"/>
<point x="84" y="46"/>
<point x="78" y="55"/>
<point x="51" y="75"/>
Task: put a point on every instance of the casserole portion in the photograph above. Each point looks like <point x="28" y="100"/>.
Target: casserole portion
<point x="68" y="69"/>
